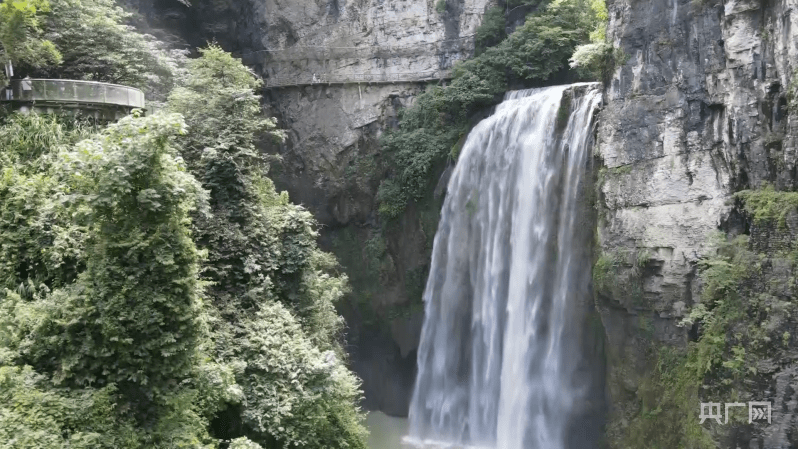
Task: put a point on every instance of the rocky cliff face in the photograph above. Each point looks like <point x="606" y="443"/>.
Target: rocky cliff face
<point x="697" y="112"/>
<point x="331" y="161"/>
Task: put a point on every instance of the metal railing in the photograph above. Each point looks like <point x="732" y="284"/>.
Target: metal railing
<point x="356" y="78"/>
<point x="72" y="92"/>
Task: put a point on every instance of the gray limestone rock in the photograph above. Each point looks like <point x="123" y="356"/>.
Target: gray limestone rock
<point x="696" y="113"/>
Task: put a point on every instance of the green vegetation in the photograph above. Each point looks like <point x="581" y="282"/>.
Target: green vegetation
<point x="492" y="30"/>
<point x="440" y="6"/>
<point x="670" y="392"/>
<point x="604" y="270"/>
<point x="155" y="290"/>
<point x="97" y="45"/>
<point x="792" y="94"/>
<point x="598" y="58"/>
<point x="614" y="276"/>
<point x="84" y="39"/>
<point x="273" y="289"/>
<point x="91" y="343"/>
<point x="767" y="204"/>
<point x="363" y="263"/>
<point x="21" y="34"/>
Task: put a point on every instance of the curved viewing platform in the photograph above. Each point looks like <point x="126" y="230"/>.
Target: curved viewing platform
<point x="102" y="100"/>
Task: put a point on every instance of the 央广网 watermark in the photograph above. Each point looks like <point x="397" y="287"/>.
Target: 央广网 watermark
<point x="757" y="411"/>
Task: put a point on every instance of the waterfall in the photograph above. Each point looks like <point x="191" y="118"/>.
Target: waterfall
<point x="505" y="359"/>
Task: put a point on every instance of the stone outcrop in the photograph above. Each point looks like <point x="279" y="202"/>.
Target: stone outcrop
<point x="696" y="112"/>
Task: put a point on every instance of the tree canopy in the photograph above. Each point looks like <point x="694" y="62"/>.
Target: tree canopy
<point x="21" y="32"/>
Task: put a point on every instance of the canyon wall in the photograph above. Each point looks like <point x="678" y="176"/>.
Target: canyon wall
<point x="696" y="111"/>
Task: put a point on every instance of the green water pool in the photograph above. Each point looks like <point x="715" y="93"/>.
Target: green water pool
<point x="386" y="431"/>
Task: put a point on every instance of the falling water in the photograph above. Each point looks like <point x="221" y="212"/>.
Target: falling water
<point x="505" y="358"/>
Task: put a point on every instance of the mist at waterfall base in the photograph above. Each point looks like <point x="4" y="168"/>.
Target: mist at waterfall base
<point x="510" y="354"/>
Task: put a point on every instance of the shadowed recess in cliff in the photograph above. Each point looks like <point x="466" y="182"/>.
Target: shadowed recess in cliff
<point x="506" y="359"/>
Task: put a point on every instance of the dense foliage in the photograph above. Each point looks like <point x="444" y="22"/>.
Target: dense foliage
<point x="157" y="292"/>
<point x="21" y="34"/>
<point x="108" y="355"/>
<point x="766" y="204"/>
<point x="492" y="29"/>
<point x="272" y="288"/>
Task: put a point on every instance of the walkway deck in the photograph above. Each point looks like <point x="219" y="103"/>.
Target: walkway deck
<point x="359" y="78"/>
<point x="324" y="54"/>
<point x="320" y="52"/>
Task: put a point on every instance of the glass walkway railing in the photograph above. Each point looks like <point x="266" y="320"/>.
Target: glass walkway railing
<point x="72" y="92"/>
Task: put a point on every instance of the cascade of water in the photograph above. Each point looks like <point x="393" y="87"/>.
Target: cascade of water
<point x="501" y="361"/>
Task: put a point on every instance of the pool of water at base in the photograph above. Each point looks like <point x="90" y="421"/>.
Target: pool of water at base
<point x="386" y="431"/>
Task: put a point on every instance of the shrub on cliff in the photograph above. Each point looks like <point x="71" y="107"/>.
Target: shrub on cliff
<point x="491" y="31"/>
<point x="744" y="325"/>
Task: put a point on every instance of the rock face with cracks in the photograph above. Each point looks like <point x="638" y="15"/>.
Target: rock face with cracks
<point x="697" y="111"/>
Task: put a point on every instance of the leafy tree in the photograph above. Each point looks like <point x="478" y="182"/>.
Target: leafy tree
<point x="296" y="395"/>
<point x="491" y="31"/>
<point x="594" y="60"/>
<point x="97" y="45"/>
<point x="542" y="46"/>
<point x="220" y="106"/>
<point x="86" y="40"/>
<point x="219" y="103"/>
<point x="272" y="289"/>
<point x="138" y="301"/>
<point x="33" y="413"/>
<point x="20" y="34"/>
<point x="110" y="359"/>
<point x="260" y="246"/>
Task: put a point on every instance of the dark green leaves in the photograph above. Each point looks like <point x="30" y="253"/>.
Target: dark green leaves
<point x="21" y="34"/>
<point x="138" y="301"/>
